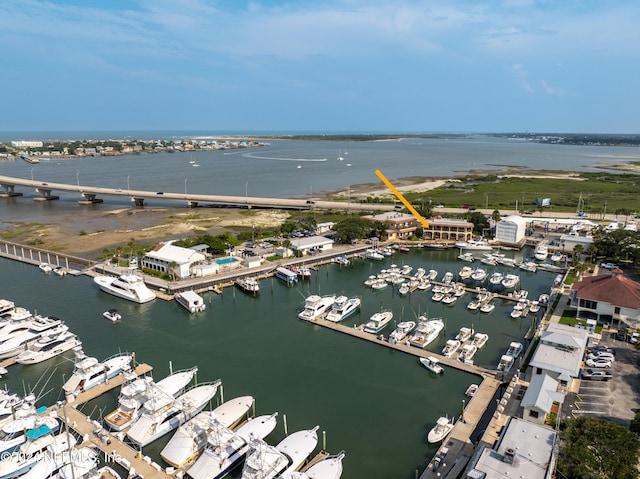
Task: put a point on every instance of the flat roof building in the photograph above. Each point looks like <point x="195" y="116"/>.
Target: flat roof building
<point x="448" y="230"/>
<point x="399" y="225"/>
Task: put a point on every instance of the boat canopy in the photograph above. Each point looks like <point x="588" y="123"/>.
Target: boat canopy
<point x="37" y="432"/>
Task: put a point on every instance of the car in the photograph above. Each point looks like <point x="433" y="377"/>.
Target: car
<point x="311" y="202"/>
<point x="608" y="265"/>
<point x="529" y="212"/>
<point x="597" y="374"/>
<point x="601" y="355"/>
<point x="472" y="208"/>
<point x="160" y="193"/>
<point x="439" y="206"/>
<point x="603" y="349"/>
<point x="45" y="184"/>
<point x="635" y="338"/>
<point x="598" y="363"/>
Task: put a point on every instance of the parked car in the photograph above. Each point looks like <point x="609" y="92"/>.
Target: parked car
<point x="602" y="349"/>
<point x="635" y="338"/>
<point x="597" y="374"/>
<point x="602" y="355"/>
<point x="598" y="363"/>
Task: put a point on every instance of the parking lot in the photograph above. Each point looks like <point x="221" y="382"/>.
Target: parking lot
<point x="617" y="399"/>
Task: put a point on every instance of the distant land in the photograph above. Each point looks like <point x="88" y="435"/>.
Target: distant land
<point x="589" y="139"/>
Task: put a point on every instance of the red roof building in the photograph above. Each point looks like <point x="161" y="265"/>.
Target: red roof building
<point x="607" y="297"/>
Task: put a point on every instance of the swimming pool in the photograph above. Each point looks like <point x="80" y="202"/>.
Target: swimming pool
<point x="226" y="260"/>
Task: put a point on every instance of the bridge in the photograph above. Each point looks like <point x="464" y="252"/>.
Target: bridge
<point x="89" y="195"/>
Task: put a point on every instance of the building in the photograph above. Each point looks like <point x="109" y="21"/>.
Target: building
<point x="539" y="399"/>
<point x="569" y="241"/>
<point x="559" y="353"/>
<point x="172" y="259"/>
<point x="26" y="144"/>
<point x="524" y="449"/>
<point x="310" y="244"/>
<point x="607" y="297"/>
<point x="399" y="225"/>
<point x="511" y="230"/>
<point x="448" y="229"/>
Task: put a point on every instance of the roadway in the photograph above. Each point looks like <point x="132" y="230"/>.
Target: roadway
<point x="90" y="193"/>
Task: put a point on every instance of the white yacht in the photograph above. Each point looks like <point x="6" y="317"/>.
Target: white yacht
<point x="515" y="349"/>
<point x="39" y="444"/>
<point x="342" y="308"/>
<point x="191" y="301"/>
<point x="510" y="280"/>
<point x="16" y="342"/>
<point x="541" y="252"/>
<point x="378" y="321"/>
<point x="480" y="339"/>
<point x="443" y="427"/>
<point x="27" y="424"/>
<point x="373" y="254"/>
<point x="496" y="278"/>
<point x="505" y="364"/>
<point x="152" y="425"/>
<point x="60" y="462"/>
<point x="139" y="391"/>
<point x="327" y="468"/>
<point x="47" y="347"/>
<point x="127" y="286"/>
<point x="450" y="347"/>
<point x="268" y="462"/>
<point x="225" y="449"/>
<point x="315" y="306"/>
<point x="426" y="332"/>
<point x="464" y="334"/>
<point x="432" y="364"/>
<point x="474" y="245"/>
<point x="191" y="438"/>
<point x="402" y="331"/>
<point x="467" y="353"/>
<point x="465" y="272"/>
<point x="479" y="274"/>
<point x="89" y="372"/>
<point x="248" y="285"/>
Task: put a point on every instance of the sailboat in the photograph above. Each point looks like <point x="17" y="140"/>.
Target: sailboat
<point x="340" y="157"/>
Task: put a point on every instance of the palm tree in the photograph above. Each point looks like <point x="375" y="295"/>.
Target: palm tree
<point x="172" y="270"/>
<point x="577" y="251"/>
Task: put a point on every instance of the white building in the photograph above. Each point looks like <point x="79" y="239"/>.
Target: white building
<point x="539" y="398"/>
<point x="511" y="229"/>
<point x="311" y="243"/>
<point x="26" y="144"/>
<point x="172" y="259"/>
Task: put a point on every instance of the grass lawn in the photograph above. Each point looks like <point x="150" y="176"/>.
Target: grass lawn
<point x="569" y="317"/>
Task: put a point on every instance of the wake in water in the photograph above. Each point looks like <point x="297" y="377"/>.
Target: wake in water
<point x="249" y="155"/>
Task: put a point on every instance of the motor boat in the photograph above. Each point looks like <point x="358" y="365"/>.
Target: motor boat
<point x="426" y="332"/>
<point x="137" y="392"/>
<point x="471" y="390"/>
<point x="379" y="283"/>
<point x="112" y="315"/>
<point x="515" y="349"/>
<point x="506" y="362"/>
<point x="443" y="427"/>
<point x="496" y="278"/>
<point x="464" y="334"/>
<point x="437" y="296"/>
<point x="225" y="449"/>
<point x="152" y="425"/>
<point x="467" y="353"/>
<point x="450" y="347"/>
<point x="342" y="308"/>
<point x="268" y="462"/>
<point x="20" y="338"/>
<point x="248" y="285"/>
<point x="474" y="245"/>
<point x="47" y="347"/>
<point x="26" y="423"/>
<point x="127" y="286"/>
<point x="69" y="462"/>
<point x="191" y="437"/>
<point x="378" y="321"/>
<point x="327" y="468"/>
<point x="447" y="278"/>
<point x="529" y="266"/>
<point x="316" y="306"/>
<point x="465" y="272"/>
<point x="191" y="301"/>
<point x="466" y="257"/>
<point x="402" y="331"/>
<point x="88" y="372"/>
<point x="432" y="364"/>
<point x="479" y="274"/>
<point x="487" y="307"/>
<point x="510" y="280"/>
<point x="45" y="267"/>
<point x="373" y="254"/>
<point x="432" y="275"/>
<point x="480" y="339"/>
<point x="541" y="252"/>
<point x="406" y="269"/>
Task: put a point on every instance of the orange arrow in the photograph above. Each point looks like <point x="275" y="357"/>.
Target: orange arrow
<point x="395" y="191"/>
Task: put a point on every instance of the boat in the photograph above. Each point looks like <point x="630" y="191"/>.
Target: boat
<point x="505" y="364"/>
<point x="529" y="266"/>
<point x="60" y="270"/>
<point x="152" y="425"/>
<point x="191" y="301"/>
<point x="403" y="249"/>
<point x="450" y="347"/>
<point x="556" y="257"/>
<point x="471" y="390"/>
<point x="487" y="307"/>
<point x="474" y="245"/>
<point x="88" y="372"/>
<point x="379" y="283"/>
<point x="432" y="364"/>
<point x="373" y="254"/>
<point x="126" y="286"/>
<point x="480" y="339"/>
<point x="467" y="353"/>
<point x="464" y="334"/>
<point x="69" y="463"/>
<point x="496" y="278"/>
<point x="302" y="271"/>
<point x="449" y="298"/>
<point x="269" y="462"/>
<point x="443" y="427"/>
<point x="327" y="468"/>
<point x="342" y="260"/>
<point x="17" y="337"/>
<point x="447" y="277"/>
<point x="402" y="331"/>
<point x="26" y="423"/>
<point x="466" y="257"/>
<point x="426" y="332"/>
<point x="225" y="449"/>
<point x="342" y="308"/>
<point x="47" y="347"/>
<point x="543" y="300"/>
<point x="286" y="275"/>
<point x="112" y="315"/>
<point x="510" y="280"/>
<point x="315" y="306"/>
<point x="406" y="269"/>
<point x="534" y="306"/>
<point x="45" y="267"/>
<point x="192" y="436"/>
<point x="504" y="261"/>
<point x="403" y="289"/>
<point x="479" y="274"/>
<point x="378" y="321"/>
<point x="387" y="251"/>
<point x="541" y="252"/>
<point x="515" y="349"/>
<point x="437" y="296"/>
<point x="465" y="272"/>
<point x="248" y="285"/>
<point x="137" y="392"/>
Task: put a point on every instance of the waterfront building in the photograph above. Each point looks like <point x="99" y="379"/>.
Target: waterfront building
<point x="606" y="298"/>
<point x="539" y="399"/>
<point x="172" y="259"/>
<point x="511" y="230"/>
<point x="559" y="353"/>
<point x="399" y="225"/>
<point x="310" y="244"/>
<point x="524" y="449"/>
<point x="448" y="229"/>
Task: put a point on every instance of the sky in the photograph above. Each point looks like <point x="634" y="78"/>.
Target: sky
<point x="321" y="66"/>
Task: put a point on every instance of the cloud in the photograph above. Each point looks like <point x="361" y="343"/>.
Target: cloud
<point x="522" y="77"/>
<point x="548" y="89"/>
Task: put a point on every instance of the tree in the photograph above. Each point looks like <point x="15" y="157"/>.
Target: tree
<point x="352" y="229"/>
<point x="577" y="251"/>
<point x="495" y="216"/>
<point x="479" y="220"/>
<point x="597" y="448"/>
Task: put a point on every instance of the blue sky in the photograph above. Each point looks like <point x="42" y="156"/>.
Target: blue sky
<point x="321" y="66"/>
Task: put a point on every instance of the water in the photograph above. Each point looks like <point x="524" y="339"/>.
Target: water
<point x="272" y="171"/>
<point x="375" y="403"/>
